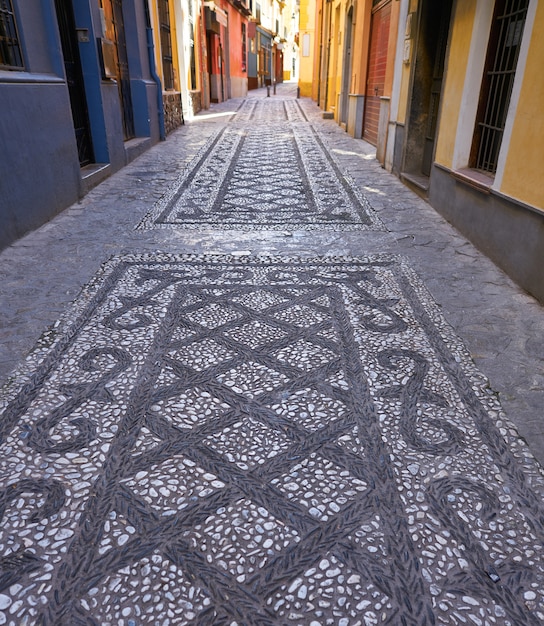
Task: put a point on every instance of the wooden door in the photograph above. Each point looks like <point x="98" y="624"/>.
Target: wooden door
<point x="436" y="87"/>
<point x="377" y="64"/>
<point x="115" y="31"/>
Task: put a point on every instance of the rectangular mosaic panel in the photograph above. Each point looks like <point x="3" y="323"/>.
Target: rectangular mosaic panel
<point x="267" y="169"/>
<point x="216" y="440"/>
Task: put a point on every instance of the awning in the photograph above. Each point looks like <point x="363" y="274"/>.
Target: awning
<point x="221" y="15"/>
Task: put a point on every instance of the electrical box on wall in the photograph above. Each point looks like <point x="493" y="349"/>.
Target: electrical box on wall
<point x="406" y="51"/>
<point x="83" y="35"/>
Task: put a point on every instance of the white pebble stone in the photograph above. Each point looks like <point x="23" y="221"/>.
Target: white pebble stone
<point x="5" y="601"/>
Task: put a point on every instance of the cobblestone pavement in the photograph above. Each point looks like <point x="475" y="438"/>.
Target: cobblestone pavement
<point x="249" y="402"/>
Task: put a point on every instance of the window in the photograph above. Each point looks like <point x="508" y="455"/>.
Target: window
<point x="244" y="47"/>
<point x="192" y="47"/>
<point x="306" y="45"/>
<point x="499" y="73"/>
<point x="10" y="50"/>
<point x="166" y="45"/>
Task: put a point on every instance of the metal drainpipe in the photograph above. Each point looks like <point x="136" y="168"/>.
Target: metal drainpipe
<point x="154" y="75"/>
<point x="221" y="70"/>
<point x="319" y="77"/>
<point x="328" y="57"/>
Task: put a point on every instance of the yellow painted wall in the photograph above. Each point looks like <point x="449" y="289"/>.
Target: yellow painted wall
<point x="335" y="68"/>
<point x="359" y="52"/>
<point x="457" y="62"/>
<point x="174" y="36"/>
<point x="307" y="26"/>
<point x="404" y="85"/>
<point x="392" y="48"/>
<point x="523" y="171"/>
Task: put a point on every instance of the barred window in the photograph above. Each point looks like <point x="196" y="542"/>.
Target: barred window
<point x="166" y="44"/>
<point x="500" y="70"/>
<point x="192" y="84"/>
<point x="10" y="50"/>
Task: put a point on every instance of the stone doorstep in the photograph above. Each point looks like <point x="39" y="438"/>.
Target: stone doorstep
<point x="93" y="174"/>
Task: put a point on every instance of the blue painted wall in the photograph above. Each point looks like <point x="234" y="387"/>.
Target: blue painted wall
<point x="39" y="165"/>
<point x="252" y="64"/>
<point x="40" y="172"/>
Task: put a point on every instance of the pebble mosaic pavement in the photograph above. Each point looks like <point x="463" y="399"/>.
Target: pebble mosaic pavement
<point x="282" y="178"/>
<point x="212" y="439"/>
<point x="263" y="441"/>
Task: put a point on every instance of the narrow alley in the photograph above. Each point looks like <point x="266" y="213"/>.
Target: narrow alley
<point x="253" y="379"/>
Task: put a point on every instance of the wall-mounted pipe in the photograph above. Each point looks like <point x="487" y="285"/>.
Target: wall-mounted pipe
<point x="329" y="5"/>
<point x="153" y="71"/>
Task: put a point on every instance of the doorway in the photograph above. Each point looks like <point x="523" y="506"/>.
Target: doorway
<point x="115" y="31"/>
<point x="74" y="80"/>
<point x="427" y="77"/>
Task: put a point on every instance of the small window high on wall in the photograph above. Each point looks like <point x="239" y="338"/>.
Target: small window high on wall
<point x="499" y="73"/>
<point x="11" y="57"/>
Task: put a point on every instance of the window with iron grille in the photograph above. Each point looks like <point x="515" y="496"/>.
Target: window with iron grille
<point x="11" y="57"/>
<point x="500" y="69"/>
<point x="166" y="44"/>
<point x="192" y="84"/>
